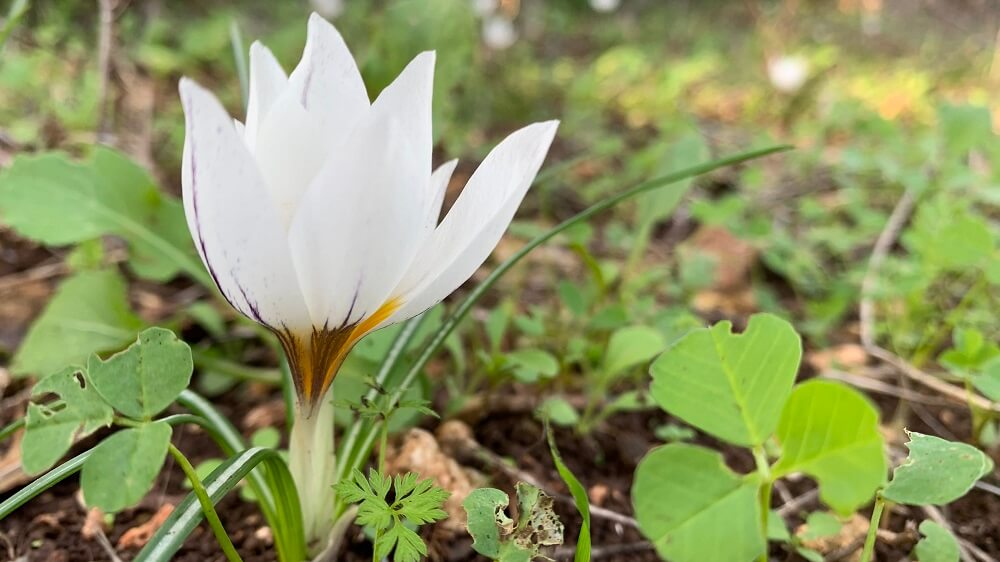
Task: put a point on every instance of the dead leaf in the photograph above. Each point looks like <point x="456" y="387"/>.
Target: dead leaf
<point x="419" y="452"/>
<point x="853" y="532"/>
<point x="845" y="356"/>
<point x="93" y="525"/>
<point x="733" y="257"/>
<point x="137" y="537"/>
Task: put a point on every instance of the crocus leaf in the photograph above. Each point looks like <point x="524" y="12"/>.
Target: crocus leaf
<point x="693" y="508"/>
<point x="55" y="200"/>
<point x="936" y="472"/>
<point x="830" y="432"/>
<point x="938" y="545"/>
<point x="123" y="467"/>
<point x="144" y="379"/>
<point x="730" y="385"/>
<point x="580" y="499"/>
<point x="89" y="313"/>
<point x="50" y="431"/>
<point x="629" y="347"/>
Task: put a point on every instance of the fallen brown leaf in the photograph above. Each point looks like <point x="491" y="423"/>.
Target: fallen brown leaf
<point x="419" y="452"/>
<point x="138" y="536"/>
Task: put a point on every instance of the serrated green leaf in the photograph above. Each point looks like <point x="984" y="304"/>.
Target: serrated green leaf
<point x="693" y="508"/>
<point x="145" y="378"/>
<point x="409" y="547"/>
<point x="936" y="471"/>
<point x="124" y="466"/>
<point x="57" y="201"/>
<point x="938" y="545"/>
<point x="730" y="385"/>
<point x="629" y="347"/>
<point x="830" y="432"/>
<point x="89" y="313"/>
<point x="50" y="432"/>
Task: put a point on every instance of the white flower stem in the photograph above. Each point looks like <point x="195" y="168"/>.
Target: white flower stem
<point x="312" y="462"/>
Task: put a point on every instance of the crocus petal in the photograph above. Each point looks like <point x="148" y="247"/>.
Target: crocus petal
<point x="359" y="224"/>
<point x="439" y="188"/>
<point x="231" y="217"/>
<point x="291" y="150"/>
<point x="476" y="222"/>
<point x="328" y="81"/>
<point x="267" y="81"/>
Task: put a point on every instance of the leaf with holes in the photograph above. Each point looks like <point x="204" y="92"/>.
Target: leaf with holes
<point x="143" y="380"/>
<point x="693" y="508"/>
<point x="936" y="471"/>
<point x="497" y="536"/>
<point x="830" y="432"/>
<point x="730" y="385"/>
<point x="50" y="430"/>
<point x="124" y="466"/>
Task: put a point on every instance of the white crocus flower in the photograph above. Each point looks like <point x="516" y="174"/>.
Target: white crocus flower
<point x="318" y="217"/>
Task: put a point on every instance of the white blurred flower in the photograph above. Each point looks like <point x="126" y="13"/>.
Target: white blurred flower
<point x="605" y="6"/>
<point x="787" y="73"/>
<point x="499" y="32"/>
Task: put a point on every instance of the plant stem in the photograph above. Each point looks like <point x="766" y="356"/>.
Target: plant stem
<point x="206" y="505"/>
<point x="866" y="554"/>
<point x="764" y="469"/>
<point x="382" y="443"/>
<point x="312" y="462"/>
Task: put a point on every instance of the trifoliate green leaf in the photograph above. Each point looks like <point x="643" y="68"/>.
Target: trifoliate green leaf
<point x="938" y="545"/>
<point x="144" y="379"/>
<point x="936" y="471"/>
<point x="124" y="466"/>
<point x="50" y="431"/>
<point x="693" y="508"/>
<point x="830" y="432"/>
<point x="730" y="385"/>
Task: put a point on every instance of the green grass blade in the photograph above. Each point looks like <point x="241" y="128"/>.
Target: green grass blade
<point x="42" y="483"/>
<point x="439" y="337"/>
<point x="186" y="517"/>
<point x="579" y="498"/>
<point x="272" y="486"/>
<point x="349" y="452"/>
<point x="17" y="10"/>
